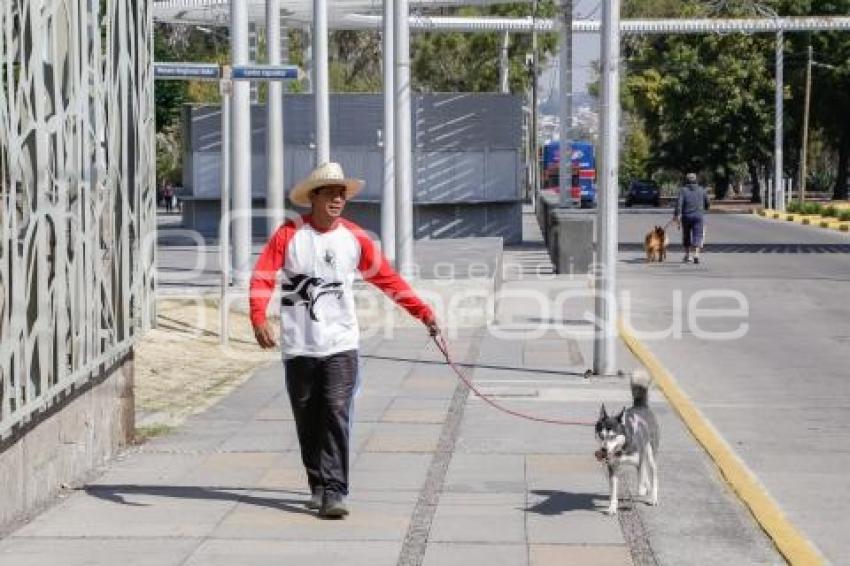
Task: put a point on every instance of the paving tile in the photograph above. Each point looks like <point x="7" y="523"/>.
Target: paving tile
<point x="490" y="518"/>
<point x="403" y="437"/>
<point x="45" y="551"/>
<point x="579" y="555"/>
<point x="486" y="473"/>
<point x="464" y="554"/>
<point x="265" y="515"/>
<point x="295" y="553"/>
<point x="135" y="511"/>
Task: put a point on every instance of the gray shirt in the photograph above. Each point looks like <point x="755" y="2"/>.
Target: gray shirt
<point x="692" y="201"/>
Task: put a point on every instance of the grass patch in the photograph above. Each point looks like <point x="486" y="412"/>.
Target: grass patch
<point x="844" y="215"/>
<point x="145" y="433"/>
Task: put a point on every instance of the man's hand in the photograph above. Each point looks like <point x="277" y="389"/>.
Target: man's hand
<point x="433" y="329"/>
<point x="265" y="336"/>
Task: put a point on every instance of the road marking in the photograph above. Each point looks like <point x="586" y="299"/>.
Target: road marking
<point x="795" y="547"/>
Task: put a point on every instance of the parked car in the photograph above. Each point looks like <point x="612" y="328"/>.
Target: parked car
<point x="643" y="192"/>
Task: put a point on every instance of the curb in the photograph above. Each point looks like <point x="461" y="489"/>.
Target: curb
<point x="806" y="219"/>
<point x="790" y="542"/>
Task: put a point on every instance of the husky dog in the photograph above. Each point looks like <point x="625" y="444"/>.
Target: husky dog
<point x="631" y="437"/>
<point x="655" y="244"/>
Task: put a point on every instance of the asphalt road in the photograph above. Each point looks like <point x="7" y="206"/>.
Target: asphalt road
<point x="778" y="392"/>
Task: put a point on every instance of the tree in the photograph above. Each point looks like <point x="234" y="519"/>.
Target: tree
<point x="706" y="101"/>
<point x="469" y="62"/>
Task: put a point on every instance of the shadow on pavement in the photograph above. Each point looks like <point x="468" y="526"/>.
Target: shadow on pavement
<point x="117" y="493"/>
<point x="559" y="502"/>
<point x="755" y="248"/>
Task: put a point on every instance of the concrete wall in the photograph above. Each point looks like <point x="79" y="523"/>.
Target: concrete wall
<point x="569" y="235"/>
<point x="61" y="447"/>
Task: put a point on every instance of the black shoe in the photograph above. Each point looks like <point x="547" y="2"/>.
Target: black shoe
<point x="334" y="506"/>
<point x="696" y="260"/>
<point x="316" y="497"/>
<point x="686" y="259"/>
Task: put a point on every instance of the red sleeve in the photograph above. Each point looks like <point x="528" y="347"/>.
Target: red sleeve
<point x="377" y="271"/>
<point x="265" y="271"/>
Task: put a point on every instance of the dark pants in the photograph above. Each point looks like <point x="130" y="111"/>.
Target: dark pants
<point x="693" y="230"/>
<point x="321" y="391"/>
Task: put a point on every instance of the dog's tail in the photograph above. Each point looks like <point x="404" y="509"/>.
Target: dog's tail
<point x="640" y="387"/>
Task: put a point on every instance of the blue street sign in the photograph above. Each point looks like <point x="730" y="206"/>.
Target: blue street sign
<point x="186" y="71"/>
<point x="265" y="72"/>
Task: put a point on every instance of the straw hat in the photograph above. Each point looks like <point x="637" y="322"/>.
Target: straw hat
<point x="329" y="174"/>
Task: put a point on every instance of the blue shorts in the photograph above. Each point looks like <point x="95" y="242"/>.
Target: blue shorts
<point x="693" y="231"/>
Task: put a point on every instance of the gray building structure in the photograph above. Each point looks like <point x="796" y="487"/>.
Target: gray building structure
<point x="467" y="158"/>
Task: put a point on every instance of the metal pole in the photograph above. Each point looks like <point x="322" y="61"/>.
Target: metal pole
<point x="504" y="64"/>
<point x="388" y="195"/>
<point x="308" y="59"/>
<point x="770" y="199"/>
<point x="403" y="173"/>
<point x="224" y="226"/>
<point x="274" y="128"/>
<point x="604" y="344"/>
<point x="804" y="150"/>
<point x="779" y="199"/>
<point x="535" y="169"/>
<point x="566" y="107"/>
<point x="321" y="88"/>
<point x="241" y="145"/>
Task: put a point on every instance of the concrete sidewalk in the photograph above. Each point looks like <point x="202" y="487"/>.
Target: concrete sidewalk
<point x="437" y="478"/>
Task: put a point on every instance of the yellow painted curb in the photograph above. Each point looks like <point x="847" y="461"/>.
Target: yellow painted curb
<point x="795" y="547"/>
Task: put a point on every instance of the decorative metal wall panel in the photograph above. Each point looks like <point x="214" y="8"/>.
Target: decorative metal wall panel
<point x="77" y="203"/>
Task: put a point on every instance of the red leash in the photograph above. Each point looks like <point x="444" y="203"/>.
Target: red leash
<point x="444" y="348"/>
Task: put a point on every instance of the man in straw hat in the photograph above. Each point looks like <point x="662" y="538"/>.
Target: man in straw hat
<point x="320" y="253"/>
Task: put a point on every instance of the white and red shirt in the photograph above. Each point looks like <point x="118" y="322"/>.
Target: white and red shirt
<point x="317" y="312"/>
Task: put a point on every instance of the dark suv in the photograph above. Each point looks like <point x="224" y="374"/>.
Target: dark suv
<point x="643" y="192"/>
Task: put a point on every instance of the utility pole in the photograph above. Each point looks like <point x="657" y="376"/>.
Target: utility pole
<point x="804" y="150"/>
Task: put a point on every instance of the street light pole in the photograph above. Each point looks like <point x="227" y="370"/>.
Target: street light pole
<point x="778" y="197"/>
<point x="535" y="160"/>
<point x="565" y="170"/>
<point x="388" y="211"/>
<point x="321" y="87"/>
<point x="804" y="149"/>
<point x="274" y="129"/>
<point x="403" y="172"/>
<point x="605" y="280"/>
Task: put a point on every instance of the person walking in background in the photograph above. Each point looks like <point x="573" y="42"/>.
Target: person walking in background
<point x="168" y="194"/>
<point x="320" y="254"/>
<point x="690" y="215"/>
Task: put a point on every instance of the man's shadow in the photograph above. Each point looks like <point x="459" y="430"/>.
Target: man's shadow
<point x="560" y="502"/>
<point x="117" y="494"/>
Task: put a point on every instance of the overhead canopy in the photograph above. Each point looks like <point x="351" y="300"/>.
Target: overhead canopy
<point x="295" y="13"/>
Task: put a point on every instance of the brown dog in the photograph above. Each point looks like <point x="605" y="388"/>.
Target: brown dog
<point x="655" y="245"/>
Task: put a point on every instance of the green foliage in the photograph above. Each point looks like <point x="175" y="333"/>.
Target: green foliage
<point x="634" y="159"/>
<point x="811" y="208"/>
<point x="844" y="215"/>
<point x="793" y="207"/>
<point x="469" y="62"/>
<point x="830" y="211"/>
